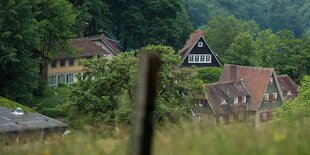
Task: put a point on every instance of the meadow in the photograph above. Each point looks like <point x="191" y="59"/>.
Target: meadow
<point x="183" y="139"/>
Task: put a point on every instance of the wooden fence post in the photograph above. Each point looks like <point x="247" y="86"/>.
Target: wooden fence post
<point x="147" y="80"/>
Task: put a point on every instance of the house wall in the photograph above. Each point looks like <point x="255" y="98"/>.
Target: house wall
<point x="201" y="50"/>
<point x="23" y="137"/>
<point x="66" y="69"/>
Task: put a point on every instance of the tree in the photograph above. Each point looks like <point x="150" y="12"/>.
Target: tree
<point x="93" y="16"/>
<point x="242" y="51"/>
<point x="140" y="23"/>
<point x="222" y="31"/>
<point x="266" y="44"/>
<point x="106" y="91"/>
<point x="55" y="19"/>
<point x="18" y="39"/>
<point x="209" y="74"/>
<point x="298" y="108"/>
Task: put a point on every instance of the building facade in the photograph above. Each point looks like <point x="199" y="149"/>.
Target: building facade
<point x="64" y="68"/>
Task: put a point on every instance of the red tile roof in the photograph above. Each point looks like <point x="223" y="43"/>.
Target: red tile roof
<point x="227" y="91"/>
<point x="288" y="86"/>
<point x="255" y="79"/>
<point x="86" y="48"/>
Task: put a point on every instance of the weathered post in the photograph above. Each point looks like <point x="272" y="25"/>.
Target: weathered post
<point x="147" y="79"/>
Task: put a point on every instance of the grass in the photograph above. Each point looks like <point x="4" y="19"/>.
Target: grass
<point x="186" y="139"/>
<point x="13" y="105"/>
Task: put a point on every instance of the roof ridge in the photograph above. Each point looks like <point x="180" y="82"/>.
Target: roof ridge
<point x="251" y="67"/>
<point x="225" y="82"/>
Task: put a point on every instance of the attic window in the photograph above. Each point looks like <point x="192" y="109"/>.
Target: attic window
<point x="266" y="97"/>
<point x="199" y="58"/>
<point x="243" y="99"/>
<point x="200" y="44"/>
<point x="274" y="95"/>
<point x="223" y="101"/>
<point x="235" y="100"/>
<point x="271" y="80"/>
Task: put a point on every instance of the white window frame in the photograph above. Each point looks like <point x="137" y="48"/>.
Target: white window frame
<point x="266" y="97"/>
<point x="243" y="99"/>
<point x="235" y="100"/>
<point x="274" y="96"/>
<point x="199" y="58"/>
<point x="231" y="118"/>
<point x="271" y="80"/>
<point x="264" y="116"/>
<point x="200" y="44"/>
<point x="221" y="120"/>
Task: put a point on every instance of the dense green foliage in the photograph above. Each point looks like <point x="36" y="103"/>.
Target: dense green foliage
<point x="4" y="102"/>
<point x="52" y="100"/>
<point x="135" y="23"/>
<point x="31" y="33"/>
<point x="298" y="108"/>
<point x="105" y="94"/>
<point x="209" y="74"/>
<point x="274" y="14"/>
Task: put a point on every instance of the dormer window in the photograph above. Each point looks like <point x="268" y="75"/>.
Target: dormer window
<point x="200" y="44"/>
<point x="235" y="100"/>
<point x="266" y="97"/>
<point x="274" y="95"/>
<point x="271" y="80"/>
<point x="243" y="99"/>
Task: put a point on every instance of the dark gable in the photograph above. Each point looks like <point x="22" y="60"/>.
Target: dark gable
<point x="198" y="47"/>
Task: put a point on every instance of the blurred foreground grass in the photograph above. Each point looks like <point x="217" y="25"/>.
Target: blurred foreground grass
<point x="185" y="139"/>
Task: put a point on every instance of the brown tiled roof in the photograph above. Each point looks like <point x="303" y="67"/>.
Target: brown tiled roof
<point x="86" y="48"/>
<point x="227" y="91"/>
<point x="112" y="44"/>
<point x="193" y="38"/>
<point x="287" y="85"/>
<point x="255" y="79"/>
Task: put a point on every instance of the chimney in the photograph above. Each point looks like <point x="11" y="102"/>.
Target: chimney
<point x="233" y="73"/>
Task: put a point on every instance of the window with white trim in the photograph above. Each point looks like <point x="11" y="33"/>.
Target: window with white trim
<point x="221" y="120"/>
<point x="52" y="80"/>
<point x="199" y="58"/>
<point x="61" y="78"/>
<point x="264" y="116"/>
<point x="235" y="100"/>
<point x="243" y="99"/>
<point x="70" y="78"/>
<point x="271" y="80"/>
<point x="266" y="97"/>
<point x="231" y="118"/>
<point x="190" y="58"/>
<point x="200" y="44"/>
<point x="274" y="95"/>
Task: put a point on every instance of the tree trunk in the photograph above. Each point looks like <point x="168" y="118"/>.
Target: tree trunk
<point x="43" y="70"/>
